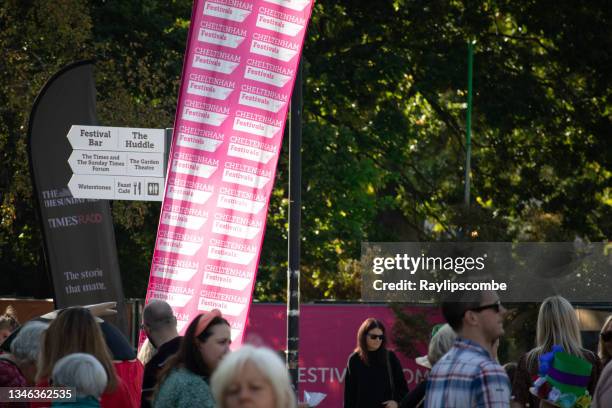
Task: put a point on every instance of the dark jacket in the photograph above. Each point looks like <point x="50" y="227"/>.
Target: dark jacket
<point x="416" y="397"/>
<point x="369" y="386"/>
<point x="154" y="366"/>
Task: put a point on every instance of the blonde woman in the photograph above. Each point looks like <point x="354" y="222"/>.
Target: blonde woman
<point x="557" y="325"/>
<point x="605" y="342"/>
<point x="252" y="377"/>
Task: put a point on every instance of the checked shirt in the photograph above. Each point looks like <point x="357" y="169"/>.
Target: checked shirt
<point x="467" y="377"/>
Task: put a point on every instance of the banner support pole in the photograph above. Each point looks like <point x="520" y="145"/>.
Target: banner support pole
<point x="468" y="128"/>
<point x="295" y="204"/>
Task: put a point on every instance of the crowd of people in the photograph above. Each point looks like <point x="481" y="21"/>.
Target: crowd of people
<point x="465" y="370"/>
<point x="75" y="348"/>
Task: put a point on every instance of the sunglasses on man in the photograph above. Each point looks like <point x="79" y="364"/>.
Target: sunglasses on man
<point x="606" y="336"/>
<point x="380" y="337"/>
<point x="494" y="306"/>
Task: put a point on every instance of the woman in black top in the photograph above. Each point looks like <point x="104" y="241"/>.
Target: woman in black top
<point x="374" y="376"/>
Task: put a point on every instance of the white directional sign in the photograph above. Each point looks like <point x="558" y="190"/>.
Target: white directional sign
<point x="117" y="187"/>
<point x="116" y="139"/>
<point x="107" y="163"/>
<point x="114" y="163"/>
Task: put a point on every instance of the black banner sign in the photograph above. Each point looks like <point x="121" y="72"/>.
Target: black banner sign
<point x="78" y="233"/>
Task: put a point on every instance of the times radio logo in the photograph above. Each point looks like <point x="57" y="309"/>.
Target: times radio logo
<point x="74" y="220"/>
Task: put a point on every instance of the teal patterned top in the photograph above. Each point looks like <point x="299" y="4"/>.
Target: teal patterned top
<point x="182" y="388"/>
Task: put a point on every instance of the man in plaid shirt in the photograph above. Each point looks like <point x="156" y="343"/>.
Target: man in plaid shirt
<point x="469" y="375"/>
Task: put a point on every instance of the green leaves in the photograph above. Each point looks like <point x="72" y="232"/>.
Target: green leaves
<point x="384" y="125"/>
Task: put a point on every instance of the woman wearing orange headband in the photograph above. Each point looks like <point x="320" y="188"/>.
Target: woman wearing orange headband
<point x="184" y="380"/>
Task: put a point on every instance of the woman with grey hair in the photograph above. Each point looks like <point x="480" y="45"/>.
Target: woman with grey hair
<point x="253" y="377"/>
<point x="85" y="374"/>
<point x="18" y="368"/>
<point x="440" y="343"/>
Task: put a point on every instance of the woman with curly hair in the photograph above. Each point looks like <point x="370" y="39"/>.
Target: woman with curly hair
<point x="8" y="323"/>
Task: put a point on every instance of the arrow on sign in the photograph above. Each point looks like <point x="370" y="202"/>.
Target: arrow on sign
<point x="116" y="139"/>
<point x="108" y="163"/>
<point x="117" y="187"/>
<point x="98" y="162"/>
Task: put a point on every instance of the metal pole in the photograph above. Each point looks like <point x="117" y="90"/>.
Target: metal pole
<point x="468" y="125"/>
<point x="295" y="200"/>
<point x="168" y="132"/>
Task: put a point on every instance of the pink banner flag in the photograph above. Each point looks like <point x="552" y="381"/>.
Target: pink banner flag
<point x="238" y="75"/>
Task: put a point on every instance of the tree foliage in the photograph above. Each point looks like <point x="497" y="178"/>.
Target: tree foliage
<point x="384" y="125"/>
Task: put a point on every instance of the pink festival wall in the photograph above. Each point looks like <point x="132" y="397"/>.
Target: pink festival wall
<point x="327" y="337"/>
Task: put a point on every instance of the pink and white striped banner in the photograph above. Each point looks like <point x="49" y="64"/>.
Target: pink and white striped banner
<point x="238" y="75"/>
